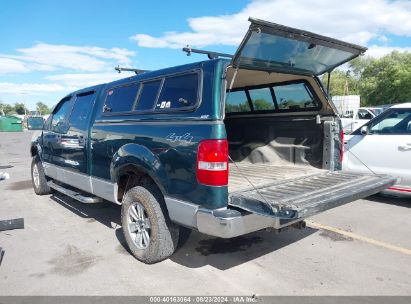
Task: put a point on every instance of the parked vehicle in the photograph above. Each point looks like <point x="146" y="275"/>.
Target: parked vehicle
<point x="35" y="123"/>
<point x="10" y="123"/>
<point x="226" y="147"/>
<point x="383" y="146"/>
<point x="358" y="117"/>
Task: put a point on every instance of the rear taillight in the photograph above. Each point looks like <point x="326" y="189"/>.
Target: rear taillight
<point x="341" y="145"/>
<point x="212" y="162"/>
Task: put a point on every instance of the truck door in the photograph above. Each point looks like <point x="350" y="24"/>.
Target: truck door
<point x="55" y="126"/>
<point x="74" y="142"/>
<point x="66" y="142"/>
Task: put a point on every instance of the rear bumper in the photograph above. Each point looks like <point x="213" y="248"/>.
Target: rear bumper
<point x="228" y="223"/>
<point x="224" y="222"/>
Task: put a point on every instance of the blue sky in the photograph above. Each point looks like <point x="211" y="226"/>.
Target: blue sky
<point x="50" y="48"/>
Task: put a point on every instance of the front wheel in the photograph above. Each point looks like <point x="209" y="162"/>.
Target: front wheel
<point x="149" y="233"/>
<point x="38" y="177"/>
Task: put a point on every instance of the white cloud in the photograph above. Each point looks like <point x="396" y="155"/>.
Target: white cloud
<point x="351" y="20"/>
<point x="49" y="57"/>
<point x="82" y="66"/>
<point x="85" y="80"/>
<point x="60" y="83"/>
<point x="30" y="88"/>
<point x="8" y="65"/>
<point x="379" y="51"/>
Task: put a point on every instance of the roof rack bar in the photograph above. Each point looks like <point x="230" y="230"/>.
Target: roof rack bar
<point x="137" y="71"/>
<point x="210" y="54"/>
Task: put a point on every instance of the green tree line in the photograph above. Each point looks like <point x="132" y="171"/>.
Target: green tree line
<point x="378" y="81"/>
<point x="19" y="108"/>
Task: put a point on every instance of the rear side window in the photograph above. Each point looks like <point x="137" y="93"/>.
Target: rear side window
<point x="121" y="99"/>
<point x="178" y="92"/>
<point x="81" y="111"/>
<point x="148" y="95"/>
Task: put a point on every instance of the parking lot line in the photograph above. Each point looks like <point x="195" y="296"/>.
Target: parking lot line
<point x="359" y="237"/>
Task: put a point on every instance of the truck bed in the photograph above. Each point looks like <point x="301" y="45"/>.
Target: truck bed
<point x="244" y="175"/>
<point x="297" y="192"/>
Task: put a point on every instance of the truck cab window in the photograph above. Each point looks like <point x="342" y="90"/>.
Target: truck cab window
<point x="294" y="96"/>
<point x="81" y="110"/>
<point x="237" y="101"/>
<point x="60" y="115"/>
<point x="262" y="99"/>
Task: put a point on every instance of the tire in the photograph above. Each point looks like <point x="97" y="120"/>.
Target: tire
<point x="38" y="178"/>
<point x="143" y="214"/>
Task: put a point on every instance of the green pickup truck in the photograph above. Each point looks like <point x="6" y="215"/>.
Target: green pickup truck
<point x="223" y="146"/>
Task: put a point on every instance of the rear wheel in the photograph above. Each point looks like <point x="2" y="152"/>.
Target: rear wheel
<point x="149" y="233"/>
<point x="38" y="177"/>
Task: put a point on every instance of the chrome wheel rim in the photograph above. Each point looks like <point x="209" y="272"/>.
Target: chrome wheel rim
<point x="36" y="177"/>
<point x="139" y="225"/>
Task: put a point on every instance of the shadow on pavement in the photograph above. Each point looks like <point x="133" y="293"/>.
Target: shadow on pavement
<point x="201" y="250"/>
<point x="6" y="167"/>
<point x="198" y="250"/>
<point x="106" y="213"/>
<point x="390" y="200"/>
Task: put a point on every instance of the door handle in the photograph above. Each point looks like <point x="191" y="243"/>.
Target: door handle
<point x="407" y="147"/>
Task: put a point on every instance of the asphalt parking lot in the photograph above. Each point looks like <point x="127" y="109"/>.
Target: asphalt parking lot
<point x="68" y="248"/>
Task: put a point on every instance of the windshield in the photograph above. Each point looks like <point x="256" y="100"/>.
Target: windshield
<point x="35" y="123"/>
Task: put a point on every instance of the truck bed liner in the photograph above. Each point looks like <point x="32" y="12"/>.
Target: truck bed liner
<point x="242" y="173"/>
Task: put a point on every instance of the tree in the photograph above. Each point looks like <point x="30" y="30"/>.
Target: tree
<point x="378" y="81"/>
<point x="386" y="80"/>
<point x="342" y="83"/>
<point x="20" y="108"/>
<point x="262" y="104"/>
<point x="42" y="108"/>
<point x="6" y="109"/>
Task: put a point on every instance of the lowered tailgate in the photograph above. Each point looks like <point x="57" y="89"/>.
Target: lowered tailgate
<point x="300" y="197"/>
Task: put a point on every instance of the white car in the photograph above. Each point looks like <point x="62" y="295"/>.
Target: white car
<point x="383" y="146"/>
<point x="358" y="117"/>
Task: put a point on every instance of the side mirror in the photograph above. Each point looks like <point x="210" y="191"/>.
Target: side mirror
<point x="364" y="130"/>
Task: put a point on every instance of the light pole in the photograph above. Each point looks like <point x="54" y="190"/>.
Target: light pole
<point x="24" y="102"/>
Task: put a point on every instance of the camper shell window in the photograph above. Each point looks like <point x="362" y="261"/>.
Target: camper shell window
<point x="290" y="96"/>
